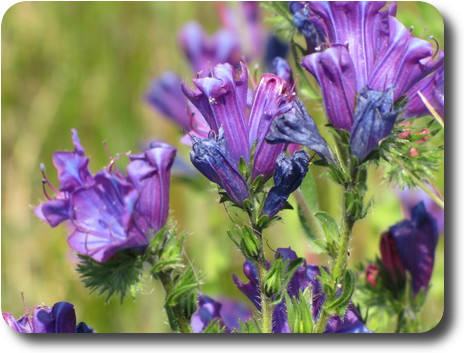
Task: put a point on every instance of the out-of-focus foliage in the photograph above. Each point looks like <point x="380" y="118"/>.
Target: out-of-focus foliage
<point x="86" y="65"/>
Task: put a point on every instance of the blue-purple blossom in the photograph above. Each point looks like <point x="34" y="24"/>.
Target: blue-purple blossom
<point x="311" y="27"/>
<point x="365" y="46"/>
<point x="288" y="176"/>
<point x="226" y="311"/>
<point x="222" y="101"/>
<point x="410" y="246"/>
<point x="282" y="69"/>
<point x="61" y="318"/>
<point x="109" y="212"/>
<point x="305" y="276"/>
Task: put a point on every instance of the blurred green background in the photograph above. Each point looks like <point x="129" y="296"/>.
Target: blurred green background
<point x="86" y="65"/>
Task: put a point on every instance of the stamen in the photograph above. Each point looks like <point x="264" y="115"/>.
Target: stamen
<point x="438" y="46"/>
<point x="411" y="28"/>
<point x="46" y="181"/>
<point x="105" y="146"/>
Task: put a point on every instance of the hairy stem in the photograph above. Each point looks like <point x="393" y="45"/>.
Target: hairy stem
<point x="183" y="324"/>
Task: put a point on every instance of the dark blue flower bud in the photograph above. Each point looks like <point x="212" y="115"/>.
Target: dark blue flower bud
<point x="299" y="127"/>
<point x="288" y="176"/>
<point x="374" y="118"/>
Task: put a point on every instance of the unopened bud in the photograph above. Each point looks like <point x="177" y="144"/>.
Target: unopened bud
<point x="273" y="279"/>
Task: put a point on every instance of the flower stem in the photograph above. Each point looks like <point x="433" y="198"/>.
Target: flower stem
<point x="182" y="323"/>
<point x="266" y="304"/>
<point x="338" y="270"/>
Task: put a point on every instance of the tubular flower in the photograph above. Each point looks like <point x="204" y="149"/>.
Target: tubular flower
<point x="110" y="211"/>
<point x="366" y="49"/>
<point x="227" y="311"/>
<point x="410" y="246"/>
<point x="304" y="277"/>
<point x="61" y="318"/>
<point x="222" y="101"/>
<point x="204" y="52"/>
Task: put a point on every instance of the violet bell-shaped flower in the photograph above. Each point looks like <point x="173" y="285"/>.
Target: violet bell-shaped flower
<point x="304" y="276"/>
<point x="61" y="318"/>
<point x="222" y="101"/>
<point x="109" y="211"/>
<point x="365" y="46"/>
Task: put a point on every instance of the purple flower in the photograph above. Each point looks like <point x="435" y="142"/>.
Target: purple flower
<point x="204" y="52"/>
<point x="410" y="246"/>
<point x="73" y="173"/>
<point x="61" y="318"/>
<point x="365" y="46"/>
<point x="416" y="240"/>
<point x="110" y="212"/>
<point x="222" y="101"/>
<point x="305" y="276"/>
<point x="311" y="27"/>
<point x="288" y="176"/>
<point x="282" y="69"/>
<point x="166" y="96"/>
<point x="227" y="312"/>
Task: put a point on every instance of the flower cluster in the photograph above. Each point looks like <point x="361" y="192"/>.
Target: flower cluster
<point x="306" y="276"/>
<point x="365" y="62"/>
<point x="109" y="211"/>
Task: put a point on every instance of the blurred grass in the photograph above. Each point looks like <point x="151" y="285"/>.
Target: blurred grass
<point x="86" y="65"/>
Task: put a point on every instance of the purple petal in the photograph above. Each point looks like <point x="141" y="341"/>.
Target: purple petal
<point x="59" y="319"/>
<point x="416" y="241"/>
<point x="350" y="323"/>
<point x="72" y="167"/>
<point x="358" y="26"/>
<point x="102" y="215"/>
<point x="165" y="95"/>
<point x="269" y="96"/>
<point x="433" y="89"/>
<point x="403" y="62"/>
<point x="150" y="173"/>
<point x="54" y="211"/>
<point x="334" y="70"/>
<point x="208" y="310"/>
<point x="250" y="289"/>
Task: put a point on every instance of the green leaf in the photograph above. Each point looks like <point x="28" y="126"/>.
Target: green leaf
<point x="330" y="226"/>
<point x="339" y="304"/>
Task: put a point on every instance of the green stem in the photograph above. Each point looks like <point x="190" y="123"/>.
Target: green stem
<point x="179" y="316"/>
<point x="266" y="303"/>
<point x="338" y="267"/>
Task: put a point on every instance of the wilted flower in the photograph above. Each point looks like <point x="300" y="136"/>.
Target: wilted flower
<point x="304" y="277"/>
<point x="222" y="100"/>
<point x="226" y="311"/>
<point x="109" y="212"/>
<point x="61" y="318"/>
<point x="366" y="53"/>
<point x="410" y="246"/>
